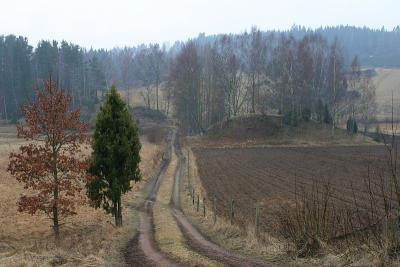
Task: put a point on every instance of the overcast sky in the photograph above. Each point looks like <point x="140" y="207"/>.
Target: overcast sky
<point x="100" y="23"/>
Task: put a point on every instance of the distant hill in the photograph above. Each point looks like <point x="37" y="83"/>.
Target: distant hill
<point x="375" y="48"/>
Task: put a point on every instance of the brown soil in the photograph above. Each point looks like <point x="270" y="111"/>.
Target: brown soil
<point x="270" y="175"/>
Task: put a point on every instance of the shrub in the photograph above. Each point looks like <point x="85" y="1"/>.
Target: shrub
<point x="306" y="114"/>
<point x="311" y="221"/>
<point x="319" y="109"/>
<point x="291" y="118"/>
<point x="377" y="135"/>
<point x="327" y="115"/>
<point x="351" y="126"/>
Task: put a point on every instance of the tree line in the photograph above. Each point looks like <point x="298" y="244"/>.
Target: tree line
<point x="300" y="79"/>
<point x="86" y="73"/>
<point x="374" y="47"/>
<point x="23" y="68"/>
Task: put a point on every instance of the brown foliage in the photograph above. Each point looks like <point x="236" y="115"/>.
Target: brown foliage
<point x="50" y="165"/>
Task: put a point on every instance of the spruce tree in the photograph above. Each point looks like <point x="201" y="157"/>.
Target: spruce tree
<point x="115" y="157"/>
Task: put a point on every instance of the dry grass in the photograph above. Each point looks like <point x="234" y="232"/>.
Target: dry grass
<point x="136" y="96"/>
<point x="88" y="239"/>
<point x="386" y="82"/>
<point x="168" y="235"/>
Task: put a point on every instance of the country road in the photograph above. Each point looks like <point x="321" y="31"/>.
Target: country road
<point x="143" y="249"/>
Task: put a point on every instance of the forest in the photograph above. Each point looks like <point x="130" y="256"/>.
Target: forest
<point x="261" y="60"/>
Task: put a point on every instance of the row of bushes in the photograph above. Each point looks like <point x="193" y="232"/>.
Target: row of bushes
<point x="294" y="116"/>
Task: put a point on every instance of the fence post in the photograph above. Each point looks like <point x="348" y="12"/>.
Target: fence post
<point x="232" y="211"/>
<point x="188" y="169"/>
<point x="257" y="219"/>
<point x="215" y="209"/>
<point x="204" y="207"/>
<point x="198" y="202"/>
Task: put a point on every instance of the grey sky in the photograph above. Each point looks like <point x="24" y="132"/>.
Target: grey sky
<point x="99" y="23"/>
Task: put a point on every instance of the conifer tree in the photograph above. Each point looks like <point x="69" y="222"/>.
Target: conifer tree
<point x="115" y="157"/>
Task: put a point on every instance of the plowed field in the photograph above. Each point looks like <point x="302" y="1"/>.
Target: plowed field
<point x="270" y="175"/>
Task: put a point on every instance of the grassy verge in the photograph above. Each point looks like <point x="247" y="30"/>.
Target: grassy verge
<point x="87" y="239"/>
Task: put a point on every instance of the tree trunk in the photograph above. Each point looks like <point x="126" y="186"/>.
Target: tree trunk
<point x="148" y="97"/>
<point x="334" y="95"/>
<point x="115" y="212"/>
<point x="253" y="94"/>
<point x="157" y="95"/>
<point x="56" y="226"/>
<point x="5" y="107"/>
<point x="119" y="212"/>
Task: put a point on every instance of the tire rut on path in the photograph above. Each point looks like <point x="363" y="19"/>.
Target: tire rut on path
<point x="142" y="250"/>
<point x="194" y="238"/>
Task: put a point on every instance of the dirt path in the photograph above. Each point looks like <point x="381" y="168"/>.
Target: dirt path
<point x="194" y="238"/>
<point x="142" y="250"/>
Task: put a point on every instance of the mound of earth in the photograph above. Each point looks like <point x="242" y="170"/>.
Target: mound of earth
<point x="248" y="127"/>
<point x="145" y="115"/>
<point x="151" y="123"/>
<point x="269" y="130"/>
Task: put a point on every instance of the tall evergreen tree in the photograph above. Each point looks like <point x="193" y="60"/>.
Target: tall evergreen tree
<point x="115" y="157"/>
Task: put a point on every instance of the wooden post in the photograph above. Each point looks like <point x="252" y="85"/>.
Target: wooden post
<point x="204" y="207"/>
<point x="193" y="196"/>
<point x="188" y="169"/>
<point x="259" y="208"/>
<point x="232" y="211"/>
<point x="257" y="220"/>
<point x="215" y="209"/>
<point x="198" y="202"/>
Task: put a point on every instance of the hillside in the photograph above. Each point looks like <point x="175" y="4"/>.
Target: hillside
<point x="256" y="130"/>
<point x="386" y="82"/>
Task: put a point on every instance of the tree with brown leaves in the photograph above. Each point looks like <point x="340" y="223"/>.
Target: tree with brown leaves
<point x="50" y="165"/>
